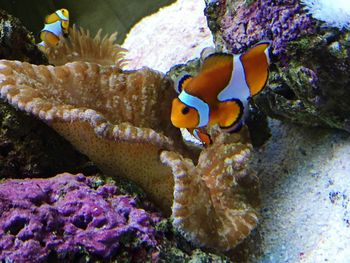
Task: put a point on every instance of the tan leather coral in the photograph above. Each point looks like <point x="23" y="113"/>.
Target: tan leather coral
<point x="215" y="201"/>
<point x="114" y="117"/>
<point x="121" y="121"/>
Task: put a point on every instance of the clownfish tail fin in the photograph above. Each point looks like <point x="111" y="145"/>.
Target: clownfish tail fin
<point x="181" y="82"/>
<point x="256" y="66"/>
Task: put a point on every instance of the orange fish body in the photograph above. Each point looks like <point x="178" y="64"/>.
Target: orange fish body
<point x="56" y="25"/>
<point x="220" y="93"/>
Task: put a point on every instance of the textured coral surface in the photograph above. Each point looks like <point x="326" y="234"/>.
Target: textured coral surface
<point x="134" y="152"/>
<point x="244" y="24"/>
<point x="64" y="216"/>
<point x="216" y="201"/>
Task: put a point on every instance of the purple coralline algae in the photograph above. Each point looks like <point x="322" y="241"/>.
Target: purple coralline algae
<point x="68" y="216"/>
<point x="279" y="21"/>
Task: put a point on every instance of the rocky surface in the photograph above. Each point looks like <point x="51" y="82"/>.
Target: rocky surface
<point x="173" y="35"/>
<point x="310" y="61"/>
<point x="29" y="148"/>
<point x="75" y="218"/>
<point x="237" y="25"/>
<point x="71" y="216"/>
<point x="16" y="42"/>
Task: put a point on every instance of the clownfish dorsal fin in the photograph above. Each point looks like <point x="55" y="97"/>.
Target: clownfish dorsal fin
<point x="256" y="66"/>
<point x="181" y="82"/>
<point x="216" y="60"/>
<point x="46" y="19"/>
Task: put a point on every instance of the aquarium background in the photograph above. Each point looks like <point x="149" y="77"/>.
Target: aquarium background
<point x="111" y="15"/>
<point x="303" y="168"/>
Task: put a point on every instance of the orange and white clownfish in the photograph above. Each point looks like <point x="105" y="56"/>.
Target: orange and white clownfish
<point x="56" y="25"/>
<point x="220" y="93"/>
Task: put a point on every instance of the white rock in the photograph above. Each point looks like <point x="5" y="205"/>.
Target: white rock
<point x="173" y="35"/>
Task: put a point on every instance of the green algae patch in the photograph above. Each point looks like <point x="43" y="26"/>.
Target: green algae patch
<point x="312" y="88"/>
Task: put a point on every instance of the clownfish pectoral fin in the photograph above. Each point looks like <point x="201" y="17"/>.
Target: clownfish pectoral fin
<point x="256" y="66"/>
<point x="42" y="46"/>
<point x="181" y="82"/>
<point x="217" y="60"/>
<point x="49" y="38"/>
<point x="201" y="135"/>
<point x="230" y="113"/>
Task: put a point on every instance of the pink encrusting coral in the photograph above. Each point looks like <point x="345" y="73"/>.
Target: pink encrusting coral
<point x="68" y="216"/>
<point x="281" y="21"/>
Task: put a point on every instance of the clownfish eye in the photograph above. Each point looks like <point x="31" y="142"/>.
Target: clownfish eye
<point x="62" y="10"/>
<point x="185" y="110"/>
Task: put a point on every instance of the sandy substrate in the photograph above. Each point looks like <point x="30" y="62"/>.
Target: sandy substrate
<point x="305" y="190"/>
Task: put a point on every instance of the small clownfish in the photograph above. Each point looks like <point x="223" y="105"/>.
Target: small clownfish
<point x="56" y="25"/>
<point x="220" y="93"/>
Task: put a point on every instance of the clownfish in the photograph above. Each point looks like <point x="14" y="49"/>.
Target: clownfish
<point x="221" y="91"/>
<point x="56" y="25"/>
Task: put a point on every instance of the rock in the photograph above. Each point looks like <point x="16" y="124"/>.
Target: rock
<point x="70" y="216"/>
<point x="75" y="218"/>
<point x="309" y="79"/>
<point x="173" y="35"/>
<point x="29" y="148"/>
<point x="16" y="42"/>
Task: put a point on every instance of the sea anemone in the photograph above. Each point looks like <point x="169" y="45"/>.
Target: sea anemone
<point x="81" y="46"/>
